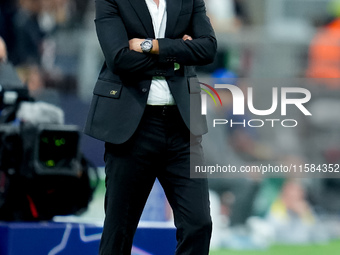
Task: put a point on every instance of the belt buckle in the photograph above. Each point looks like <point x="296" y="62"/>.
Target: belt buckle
<point x="164" y="110"/>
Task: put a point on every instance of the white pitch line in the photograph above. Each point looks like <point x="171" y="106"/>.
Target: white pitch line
<point x="89" y="238"/>
<point x="63" y="242"/>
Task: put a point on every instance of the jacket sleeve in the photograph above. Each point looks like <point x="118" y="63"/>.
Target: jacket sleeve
<point x="199" y="51"/>
<point x="113" y="39"/>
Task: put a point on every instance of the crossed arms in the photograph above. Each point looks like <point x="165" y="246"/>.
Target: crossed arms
<point x="124" y="56"/>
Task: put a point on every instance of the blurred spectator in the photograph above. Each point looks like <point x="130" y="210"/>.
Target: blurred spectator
<point x="322" y="138"/>
<point x="232" y="196"/>
<point x="224" y="145"/>
<point x="241" y="15"/>
<point x="29" y="36"/>
<point x="36" y="32"/>
<point x="293" y="218"/>
<point x="324" y="50"/>
<point x="245" y="140"/>
<point x="62" y="13"/>
<point x="3" y="51"/>
<point x="81" y="6"/>
<point x="227" y="15"/>
<point x="221" y="13"/>
<point x="293" y="200"/>
<point x="7" y="12"/>
<point x="53" y="13"/>
<point x="35" y="79"/>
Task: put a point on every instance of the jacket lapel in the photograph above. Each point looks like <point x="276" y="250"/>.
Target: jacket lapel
<point x="173" y="8"/>
<point x="142" y="12"/>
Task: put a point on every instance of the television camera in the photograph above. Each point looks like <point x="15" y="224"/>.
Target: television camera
<point x="42" y="171"/>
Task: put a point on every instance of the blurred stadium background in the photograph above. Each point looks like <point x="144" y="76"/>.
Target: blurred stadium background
<point x="270" y="43"/>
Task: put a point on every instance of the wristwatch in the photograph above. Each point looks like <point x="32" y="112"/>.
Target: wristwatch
<point x="146" y="45"/>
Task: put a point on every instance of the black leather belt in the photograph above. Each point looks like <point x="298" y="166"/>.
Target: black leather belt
<point x="161" y="110"/>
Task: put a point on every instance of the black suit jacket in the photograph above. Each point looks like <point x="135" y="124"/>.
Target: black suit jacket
<point x="121" y="92"/>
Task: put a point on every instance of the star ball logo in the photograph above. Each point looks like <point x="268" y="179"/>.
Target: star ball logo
<point x="239" y="103"/>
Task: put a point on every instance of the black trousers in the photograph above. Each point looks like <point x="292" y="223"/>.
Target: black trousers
<point x="160" y="148"/>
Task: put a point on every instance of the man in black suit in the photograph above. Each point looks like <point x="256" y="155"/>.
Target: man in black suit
<point x="146" y="107"/>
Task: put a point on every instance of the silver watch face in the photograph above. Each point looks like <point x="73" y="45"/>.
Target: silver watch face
<point x="146" y="45"/>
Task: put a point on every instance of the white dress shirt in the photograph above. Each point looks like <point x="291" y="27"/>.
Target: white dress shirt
<point x="159" y="91"/>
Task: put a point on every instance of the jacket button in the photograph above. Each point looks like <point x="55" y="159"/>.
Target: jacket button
<point x="144" y="89"/>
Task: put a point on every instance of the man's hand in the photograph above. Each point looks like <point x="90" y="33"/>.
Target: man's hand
<point x="187" y="37"/>
<point x="134" y="44"/>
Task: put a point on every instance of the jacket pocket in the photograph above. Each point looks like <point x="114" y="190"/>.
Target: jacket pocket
<point x="194" y="85"/>
<point x="185" y="12"/>
<point x="108" y="89"/>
